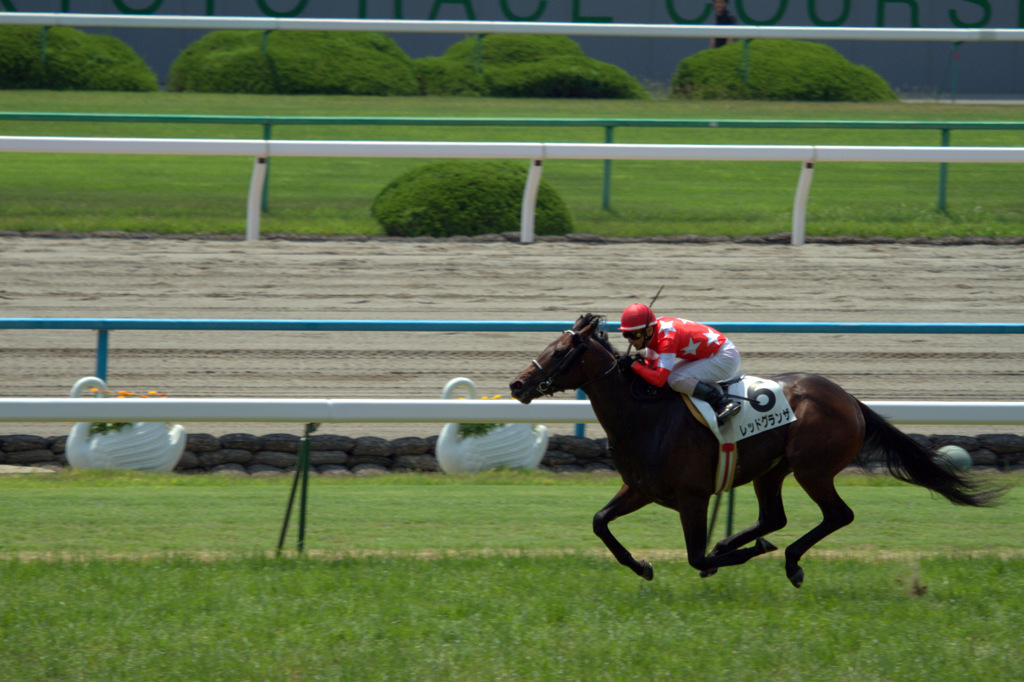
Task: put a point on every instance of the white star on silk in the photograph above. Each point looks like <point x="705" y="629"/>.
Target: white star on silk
<point x="712" y="337"/>
<point x="691" y="349"/>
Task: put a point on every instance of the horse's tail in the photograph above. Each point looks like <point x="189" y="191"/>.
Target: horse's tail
<point x="912" y="462"/>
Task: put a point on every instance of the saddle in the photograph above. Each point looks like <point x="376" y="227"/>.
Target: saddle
<point x="732" y="380"/>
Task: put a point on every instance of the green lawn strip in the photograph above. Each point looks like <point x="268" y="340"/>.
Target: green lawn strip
<point x="508" y="618"/>
<point x="112" y="514"/>
<point x="332" y="196"/>
<point x="493" y="576"/>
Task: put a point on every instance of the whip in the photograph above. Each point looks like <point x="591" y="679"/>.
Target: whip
<point x="651" y="304"/>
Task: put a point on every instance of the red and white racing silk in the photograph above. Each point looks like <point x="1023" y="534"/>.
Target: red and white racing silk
<point x="677" y="339"/>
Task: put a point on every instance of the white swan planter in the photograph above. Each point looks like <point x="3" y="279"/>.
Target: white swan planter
<point x="516" y="446"/>
<point x="144" y="446"/>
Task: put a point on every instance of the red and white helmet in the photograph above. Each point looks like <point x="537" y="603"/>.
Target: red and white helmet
<point x="636" y="316"/>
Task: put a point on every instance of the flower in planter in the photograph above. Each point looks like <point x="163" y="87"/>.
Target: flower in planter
<point x="469" y="448"/>
<point x="145" y="446"/>
<point x="106" y="427"/>
<point x="476" y="430"/>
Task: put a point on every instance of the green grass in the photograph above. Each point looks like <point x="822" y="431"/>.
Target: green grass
<point x="570" y="618"/>
<point x="495" y="576"/>
<point x="86" y="513"/>
<point x="333" y="196"/>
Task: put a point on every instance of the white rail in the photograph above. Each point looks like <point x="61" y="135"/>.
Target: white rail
<point x="170" y="21"/>
<point x="409" y="411"/>
<point x="535" y="152"/>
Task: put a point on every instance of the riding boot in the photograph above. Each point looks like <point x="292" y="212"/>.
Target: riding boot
<point x="722" y="404"/>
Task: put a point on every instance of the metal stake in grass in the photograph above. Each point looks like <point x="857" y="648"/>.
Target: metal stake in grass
<point x="301" y="473"/>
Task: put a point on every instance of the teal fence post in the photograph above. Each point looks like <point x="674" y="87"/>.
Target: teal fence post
<point x="956" y="71"/>
<point x="952" y="64"/>
<point x="746" y="63"/>
<point x="732" y="510"/>
<point x="266" y="178"/>
<point x="102" y="338"/>
<point x="714" y="517"/>
<point x="943" y="172"/>
<point x="581" y="429"/>
<point x="42" y="44"/>
<point x="606" y="180"/>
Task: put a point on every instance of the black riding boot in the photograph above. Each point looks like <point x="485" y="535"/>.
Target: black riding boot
<point x="722" y="404"/>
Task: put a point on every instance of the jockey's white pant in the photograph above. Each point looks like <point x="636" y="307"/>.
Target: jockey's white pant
<point x="722" y="365"/>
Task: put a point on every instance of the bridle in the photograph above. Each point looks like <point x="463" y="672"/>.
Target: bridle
<point x="564" y="362"/>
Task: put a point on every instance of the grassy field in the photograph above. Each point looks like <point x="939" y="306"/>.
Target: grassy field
<point x="126" y="576"/>
<point x="85" y="513"/>
<point x="333" y="196"/>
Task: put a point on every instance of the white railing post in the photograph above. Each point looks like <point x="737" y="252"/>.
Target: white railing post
<point x="528" y="213"/>
<point x="254" y="206"/>
<point x="536" y="152"/>
<point x="803" y="191"/>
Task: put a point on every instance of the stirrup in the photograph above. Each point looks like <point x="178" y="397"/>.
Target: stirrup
<point x="731" y="408"/>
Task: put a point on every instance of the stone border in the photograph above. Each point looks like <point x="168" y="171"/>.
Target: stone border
<point x="244" y="454"/>
<point x="572" y="238"/>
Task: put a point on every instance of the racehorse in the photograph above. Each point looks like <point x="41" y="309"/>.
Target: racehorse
<point x="664" y="455"/>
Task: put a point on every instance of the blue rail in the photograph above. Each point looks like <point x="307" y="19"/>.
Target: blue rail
<point x="104" y="325"/>
<point x="185" y="324"/>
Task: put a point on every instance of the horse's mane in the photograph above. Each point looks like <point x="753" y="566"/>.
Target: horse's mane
<point x="601" y="336"/>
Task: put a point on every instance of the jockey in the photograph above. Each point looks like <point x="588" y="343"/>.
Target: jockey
<point x="689" y="356"/>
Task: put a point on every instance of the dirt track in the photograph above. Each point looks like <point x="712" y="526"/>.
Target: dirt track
<point x="387" y="279"/>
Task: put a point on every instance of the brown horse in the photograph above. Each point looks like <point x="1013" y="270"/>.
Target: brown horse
<point x="665" y="456"/>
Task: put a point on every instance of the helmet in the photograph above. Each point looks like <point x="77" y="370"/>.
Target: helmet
<point x="636" y="316"/>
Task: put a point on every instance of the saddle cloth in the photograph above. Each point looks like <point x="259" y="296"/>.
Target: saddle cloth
<point x="764" y="409"/>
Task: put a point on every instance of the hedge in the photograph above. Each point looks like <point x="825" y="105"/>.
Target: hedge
<point x="74" y="60"/>
<point x="294" y="62"/>
<point x="777" y="70"/>
<point x="465" y="198"/>
<point x="523" y="66"/>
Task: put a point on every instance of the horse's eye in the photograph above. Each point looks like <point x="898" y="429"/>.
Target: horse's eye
<point x="559" y="354"/>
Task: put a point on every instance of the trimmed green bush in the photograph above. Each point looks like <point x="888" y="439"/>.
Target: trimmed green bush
<point x="75" y="60"/>
<point x="465" y="197"/>
<point x="778" y="70"/>
<point x="293" y="63"/>
<point x="523" y="66"/>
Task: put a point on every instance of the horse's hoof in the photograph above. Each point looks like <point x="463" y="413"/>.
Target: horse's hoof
<point x="646" y="570"/>
<point x="764" y="546"/>
<point x="708" y="572"/>
<point x="795" y="575"/>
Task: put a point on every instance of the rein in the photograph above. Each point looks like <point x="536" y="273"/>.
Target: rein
<point x="545" y="386"/>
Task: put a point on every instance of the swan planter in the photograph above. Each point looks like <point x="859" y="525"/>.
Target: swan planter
<point x="469" y="448"/>
<point x="143" y="446"/>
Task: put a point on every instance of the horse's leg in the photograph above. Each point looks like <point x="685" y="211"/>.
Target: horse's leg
<point x="693" y="512"/>
<point x="836" y="514"/>
<point x="771" y="515"/>
<point x="626" y="501"/>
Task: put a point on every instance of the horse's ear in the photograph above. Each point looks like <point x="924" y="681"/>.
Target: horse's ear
<point x="588" y="325"/>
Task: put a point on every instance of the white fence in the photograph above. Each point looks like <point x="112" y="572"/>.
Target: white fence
<point x="536" y="152"/>
<point x="409" y="411"/>
<point x="170" y="21"/>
